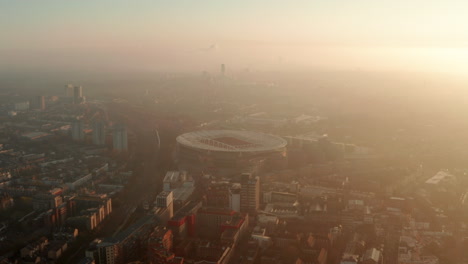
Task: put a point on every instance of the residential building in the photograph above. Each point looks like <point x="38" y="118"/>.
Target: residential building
<point x="99" y="133"/>
<point x="119" y="138"/>
<point x="250" y="193"/>
<point x="77" y="130"/>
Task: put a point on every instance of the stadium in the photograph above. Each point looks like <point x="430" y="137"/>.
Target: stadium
<point x="228" y="152"/>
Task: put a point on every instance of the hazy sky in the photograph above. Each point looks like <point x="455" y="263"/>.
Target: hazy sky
<point x="409" y="35"/>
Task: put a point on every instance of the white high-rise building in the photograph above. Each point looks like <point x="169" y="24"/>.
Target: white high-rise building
<point x="119" y="138"/>
<point x="99" y="133"/>
<point x="77" y="130"/>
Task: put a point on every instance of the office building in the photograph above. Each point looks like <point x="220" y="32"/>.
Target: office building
<point x="99" y="133"/>
<point x="165" y="205"/>
<point x="69" y="90"/>
<point x="119" y="138"/>
<point x="218" y="195"/>
<point x="77" y="94"/>
<point x="249" y="193"/>
<point x="39" y="102"/>
<point x="21" y="106"/>
<point x="109" y="252"/>
<point x="209" y="220"/>
<point x="77" y="130"/>
<point x="164" y="199"/>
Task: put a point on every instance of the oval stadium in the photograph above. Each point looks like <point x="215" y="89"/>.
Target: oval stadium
<point x="228" y="152"/>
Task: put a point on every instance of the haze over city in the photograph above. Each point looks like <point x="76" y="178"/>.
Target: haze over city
<point x="415" y="36"/>
<point x="233" y="132"/>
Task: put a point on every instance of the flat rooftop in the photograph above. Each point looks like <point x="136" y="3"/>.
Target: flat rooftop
<point x="171" y="176"/>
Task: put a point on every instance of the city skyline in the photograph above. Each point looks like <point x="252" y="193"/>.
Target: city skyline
<point x="416" y="36"/>
<point x="233" y="132"/>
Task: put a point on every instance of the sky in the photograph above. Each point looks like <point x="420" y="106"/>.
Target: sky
<point x="191" y="35"/>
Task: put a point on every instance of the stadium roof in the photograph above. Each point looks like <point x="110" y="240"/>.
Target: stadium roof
<point x="231" y="140"/>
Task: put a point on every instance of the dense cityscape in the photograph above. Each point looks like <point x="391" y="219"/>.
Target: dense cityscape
<point x="112" y="180"/>
<point x="233" y="132"/>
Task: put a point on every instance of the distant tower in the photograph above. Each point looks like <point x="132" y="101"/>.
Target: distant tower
<point x="77" y="94"/>
<point x="249" y="193"/>
<point x="39" y="102"/>
<point x="99" y="133"/>
<point x="119" y="138"/>
<point x="223" y="69"/>
<point x="77" y="130"/>
<point x="69" y="90"/>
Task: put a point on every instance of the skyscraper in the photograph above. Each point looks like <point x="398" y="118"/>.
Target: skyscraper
<point x="77" y="130"/>
<point x="77" y="94"/>
<point x="249" y="193"/>
<point x="69" y="90"/>
<point x="39" y="102"/>
<point x="119" y="138"/>
<point x="99" y="133"/>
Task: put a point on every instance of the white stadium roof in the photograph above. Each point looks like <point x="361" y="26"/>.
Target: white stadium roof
<point x="231" y="141"/>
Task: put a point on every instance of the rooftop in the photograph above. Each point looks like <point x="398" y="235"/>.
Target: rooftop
<point x="164" y="193"/>
<point x="231" y="140"/>
<point x="440" y="177"/>
<point x="174" y="176"/>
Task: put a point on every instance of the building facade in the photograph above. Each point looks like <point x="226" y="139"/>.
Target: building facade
<point x="99" y="133"/>
<point x="249" y="193"/>
<point x="119" y="138"/>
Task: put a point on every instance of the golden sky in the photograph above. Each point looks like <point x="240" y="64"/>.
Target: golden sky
<point x="422" y="36"/>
